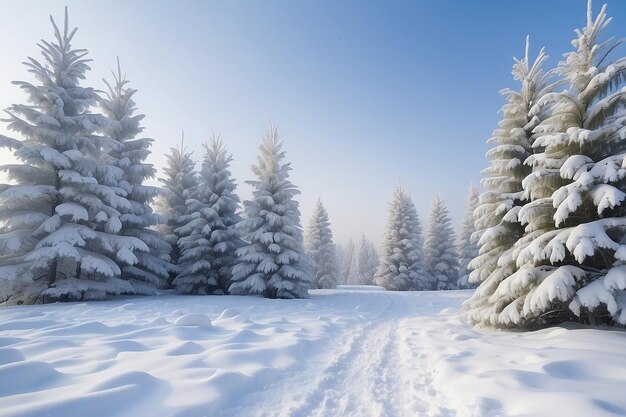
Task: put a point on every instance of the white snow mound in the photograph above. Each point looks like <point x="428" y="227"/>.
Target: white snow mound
<point x="193" y="319"/>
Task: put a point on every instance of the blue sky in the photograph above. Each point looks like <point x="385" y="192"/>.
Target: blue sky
<point x="365" y="94"/>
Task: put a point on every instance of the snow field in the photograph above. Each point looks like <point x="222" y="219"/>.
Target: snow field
<point x="169" y="355"/>
<point x="351" y="352"/>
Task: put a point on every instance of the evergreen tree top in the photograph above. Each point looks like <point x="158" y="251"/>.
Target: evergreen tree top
<point x="320" y="222"/>
<point x="216" y="176"/>
<point x="439" y="210"/>
<point x="216" y="154"/>
<point x="59" y="105"/>
<point x="592" y="75"/>
<point x="65" y="66"/>
<point x="119" y="103"/>
<point x="273" y="174"/>
<point x="320" y="215"/>
<point x="590" y="52"/>
<point x="400" y="197"/>
<point x="178" y="162"/>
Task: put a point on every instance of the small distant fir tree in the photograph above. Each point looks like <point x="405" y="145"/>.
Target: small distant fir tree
<point x="340" y="252"/>
<point x="441" y="257"/>
<point x="468" y="239"/>
<point x="347" y="254"/>
<point x="364" y="263"/>
<point x="402" y="265"/>
<point x="273" y="263"/>
<point x="209" y="237"/>
<point x="320" y="247"/>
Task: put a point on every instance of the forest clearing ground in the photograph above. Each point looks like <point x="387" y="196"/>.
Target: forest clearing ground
<point x="352" y="352"/>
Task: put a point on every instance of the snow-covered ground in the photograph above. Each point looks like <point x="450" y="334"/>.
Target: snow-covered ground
<point x="346" y="352"/>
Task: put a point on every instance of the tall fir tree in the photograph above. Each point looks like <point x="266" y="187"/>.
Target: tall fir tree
<point x="572" y="261"/>
<point x="209" y="238"/>
<point x="61" y="216"/>
<point x="468" y="239"/>
<point x="151" y="270"/>
<point x="274" y="263"/>
<point x="320" y="247"/>
<point x="180" y="178"/>
<point x="497" y="224"/>
<point x="441" y="257"/>
<point x="402" y="264"/>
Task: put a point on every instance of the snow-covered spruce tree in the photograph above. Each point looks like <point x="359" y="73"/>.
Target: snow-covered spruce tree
<point x="16" y="227"/>
<point x="574" y="267"/>
<point x="402" y="266"/>
<point x="340" y="252"/>
<point x="373" y="260"/>
<point x="180" y="179"/>
<point x="354" y="270"/>
<point x="441" y="257"/>
<point x="60" y="218"/>
<point x="497" y="224"/>
<point x="209" y="239"/>
<point x="346" y="262"/>
<point x="318" y="242"/>
<point x="364" y="263"/>
<point x="151" y="270"/>
<point x="468" y="239"/>
<point x="274" y="263"/>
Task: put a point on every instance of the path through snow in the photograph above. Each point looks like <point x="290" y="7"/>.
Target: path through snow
<point x="341" y="353"/>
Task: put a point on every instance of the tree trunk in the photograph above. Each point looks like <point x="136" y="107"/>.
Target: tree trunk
<point x="52" y="273"/>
